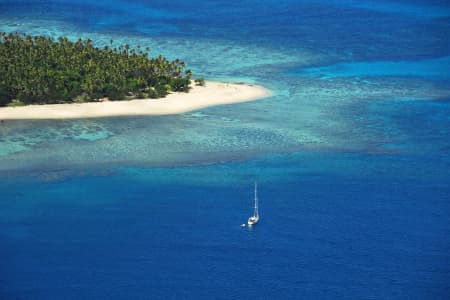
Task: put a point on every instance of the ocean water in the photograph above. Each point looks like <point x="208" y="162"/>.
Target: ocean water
<point x="351" y="154"/>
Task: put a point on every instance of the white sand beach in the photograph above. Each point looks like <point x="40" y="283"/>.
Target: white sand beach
<point x="213" y="93"/>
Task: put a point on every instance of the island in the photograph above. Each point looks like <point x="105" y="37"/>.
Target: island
<point x="44" y="78"/>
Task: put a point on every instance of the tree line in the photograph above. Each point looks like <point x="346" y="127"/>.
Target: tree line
<point x="38" y="70"/>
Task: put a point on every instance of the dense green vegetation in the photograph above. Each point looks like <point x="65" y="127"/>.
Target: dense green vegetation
<point x="200" y="81"/>
<point x="37" y="69"/>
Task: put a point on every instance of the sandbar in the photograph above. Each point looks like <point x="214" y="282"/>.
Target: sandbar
<point x="212" y="94"/>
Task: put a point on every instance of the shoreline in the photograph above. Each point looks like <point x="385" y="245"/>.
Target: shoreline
<point x="212" y="94"/>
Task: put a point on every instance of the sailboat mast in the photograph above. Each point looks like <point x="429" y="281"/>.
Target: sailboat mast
<point x="256" y="200"/>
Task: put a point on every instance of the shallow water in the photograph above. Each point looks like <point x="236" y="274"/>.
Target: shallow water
<point x="351" y="155"/>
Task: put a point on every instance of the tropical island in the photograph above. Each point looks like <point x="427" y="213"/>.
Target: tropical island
<point x="42" y="70"/>
<point x="38" y="72"/>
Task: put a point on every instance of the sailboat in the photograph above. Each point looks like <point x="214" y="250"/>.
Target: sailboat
<point x="255" y="218"/>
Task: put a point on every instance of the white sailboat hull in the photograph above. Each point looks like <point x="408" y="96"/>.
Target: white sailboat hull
<point x="252" y="220"/>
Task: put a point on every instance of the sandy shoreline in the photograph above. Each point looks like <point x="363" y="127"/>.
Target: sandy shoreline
<point x="213" y="93"/>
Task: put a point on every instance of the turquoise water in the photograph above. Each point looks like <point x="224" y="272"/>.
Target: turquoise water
<point x="418" y="9"/>
<point x="351" y="154"/>
<point x="432" y="68"/>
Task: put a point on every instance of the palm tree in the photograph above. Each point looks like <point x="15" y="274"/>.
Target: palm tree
<point x="41" y="69"/>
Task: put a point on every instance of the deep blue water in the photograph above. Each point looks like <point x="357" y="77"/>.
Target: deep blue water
<point x="351" y="155"/>
<point x="369" y="233"/>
